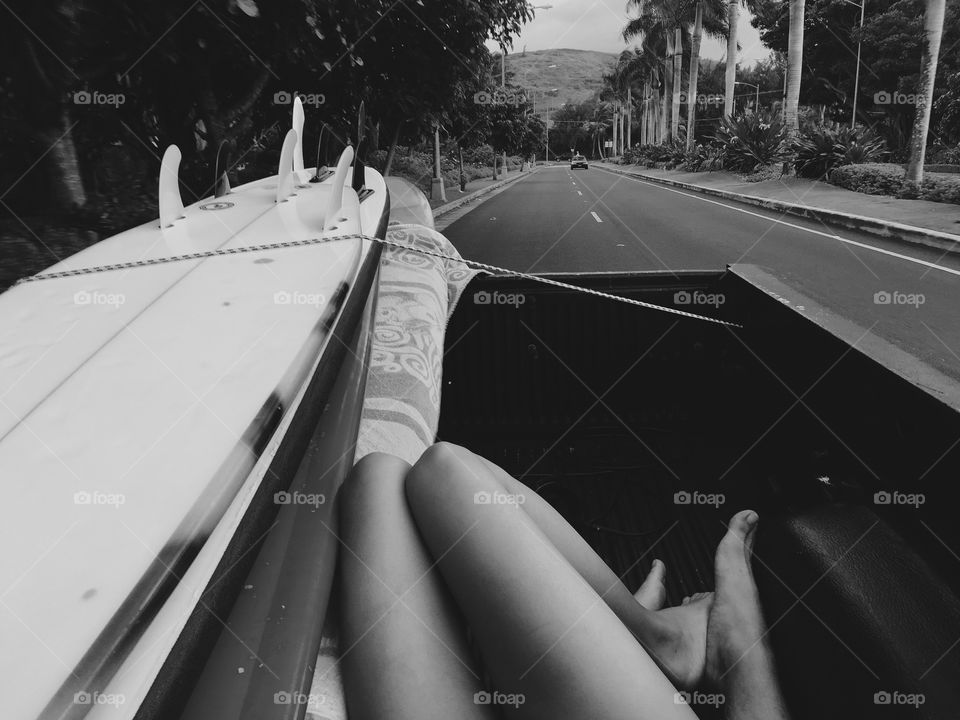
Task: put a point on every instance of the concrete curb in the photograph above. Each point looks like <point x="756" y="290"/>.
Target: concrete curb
<point x="470" y="197"/>
<point x="885" y="229"/>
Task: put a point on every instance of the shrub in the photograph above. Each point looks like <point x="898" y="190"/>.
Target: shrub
<point x="820" y="149"/>
<point x="869" y="178"/>
<point x="481" y="155"/>
<point x="940" y="188"/>
<point x="750" y="140"/>
<point x="633" y="154"/>
<point x="888" y="179"/>
<point x="941" y="154"/>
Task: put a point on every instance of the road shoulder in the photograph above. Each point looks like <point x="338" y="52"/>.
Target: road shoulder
<point x="828" y="205"/>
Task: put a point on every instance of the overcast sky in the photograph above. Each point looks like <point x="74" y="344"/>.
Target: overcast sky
<point x="597" y="24"/>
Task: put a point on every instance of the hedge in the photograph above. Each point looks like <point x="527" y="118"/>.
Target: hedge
<point x="888" y="179"/>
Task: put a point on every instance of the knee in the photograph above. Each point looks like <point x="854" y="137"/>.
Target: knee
<point x="435" y="464"/>
<point x="372" y="478"/>
<point x="442" y="472"/>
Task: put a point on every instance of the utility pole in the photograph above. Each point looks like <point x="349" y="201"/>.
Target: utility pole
<point x="503" y="86"/>
<point x="856" y="81"/>
<point x="436" y="186"/>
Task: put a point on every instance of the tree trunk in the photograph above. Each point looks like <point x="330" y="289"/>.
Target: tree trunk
<point x="665" y="119"/>
<point x="392" y="150"/>
<point x="629" y="118"/>
<point x="645" y="114"/>
<point x="733" y="16"/>
<point x="794" y="66"/>
<point x="463" y="181"/>
<point x="677" y="82"/>
<point x="694" y="75"/>
<point x="933" y="27"/>
<point x="616" y="122"/>
<point x="65" y="182"/>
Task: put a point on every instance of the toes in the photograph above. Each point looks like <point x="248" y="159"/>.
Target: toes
<point x="652" y="592"/>
<point x="742" y="526"/>
<point x="657" y="571"/>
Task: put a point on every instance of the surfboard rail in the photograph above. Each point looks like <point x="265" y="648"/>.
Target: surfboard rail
<point x="150" y="413"/>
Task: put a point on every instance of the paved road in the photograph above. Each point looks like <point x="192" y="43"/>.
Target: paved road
<point x="594" y="220"/>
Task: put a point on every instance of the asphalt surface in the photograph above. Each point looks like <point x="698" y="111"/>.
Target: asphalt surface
<point x="561" y="220"/>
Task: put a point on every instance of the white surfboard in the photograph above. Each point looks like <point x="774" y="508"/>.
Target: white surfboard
<point x="130" y="400"/>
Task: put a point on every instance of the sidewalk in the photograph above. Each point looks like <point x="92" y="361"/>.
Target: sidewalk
<point x="453" y="193"/>
<point x="918" y="221"/>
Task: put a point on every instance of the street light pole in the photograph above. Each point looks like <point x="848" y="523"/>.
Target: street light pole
<point x="856" y="81"/>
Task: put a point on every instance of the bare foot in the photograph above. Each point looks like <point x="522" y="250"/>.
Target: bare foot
<point x="675" y="637"/>
<point x="695" y="596"/>
<point x="679" y="648"/>
<point x="652" y="593"/>
<point x="739" y="658"/>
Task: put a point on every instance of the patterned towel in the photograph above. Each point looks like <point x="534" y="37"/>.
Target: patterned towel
<point x="418" y="293"/>
<point x="401" y="406"/>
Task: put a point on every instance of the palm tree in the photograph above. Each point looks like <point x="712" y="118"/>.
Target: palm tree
<point x="665" y="26"/>
<point x="656" y="27"/>
<point x="794" y="65"/>
<point x="708" y="15"/>
<point x="933" y="27"/>
<point x="730" y="75"/>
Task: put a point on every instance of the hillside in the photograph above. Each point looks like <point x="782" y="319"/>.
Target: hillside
<point x="558" y="76"/>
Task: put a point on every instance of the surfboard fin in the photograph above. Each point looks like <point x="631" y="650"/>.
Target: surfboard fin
<point x="358" y="165"/>
<point x="320" y="173"/>
<point x="221" y="181"/>
<point x="286" y="179"/>
<point x="336" y="189"/>
<point x="171" y="204"/>
<point x="298" y="127"/>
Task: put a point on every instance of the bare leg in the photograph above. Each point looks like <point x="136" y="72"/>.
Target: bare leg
<point x="674" y="637"/>
<point x="739" y="656"/>
<point x="405" y="650"/>
<point x="544" y="632"/>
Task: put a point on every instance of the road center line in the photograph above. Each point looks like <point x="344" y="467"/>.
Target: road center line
<point x="918" y="261"/>
<point x="596" y="217"/>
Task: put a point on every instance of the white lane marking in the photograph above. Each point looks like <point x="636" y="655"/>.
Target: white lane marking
<point x="918" y="261"/>
<point x="595" y="216"/>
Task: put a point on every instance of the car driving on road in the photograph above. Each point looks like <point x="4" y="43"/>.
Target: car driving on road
<point x="578" y="161"/>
